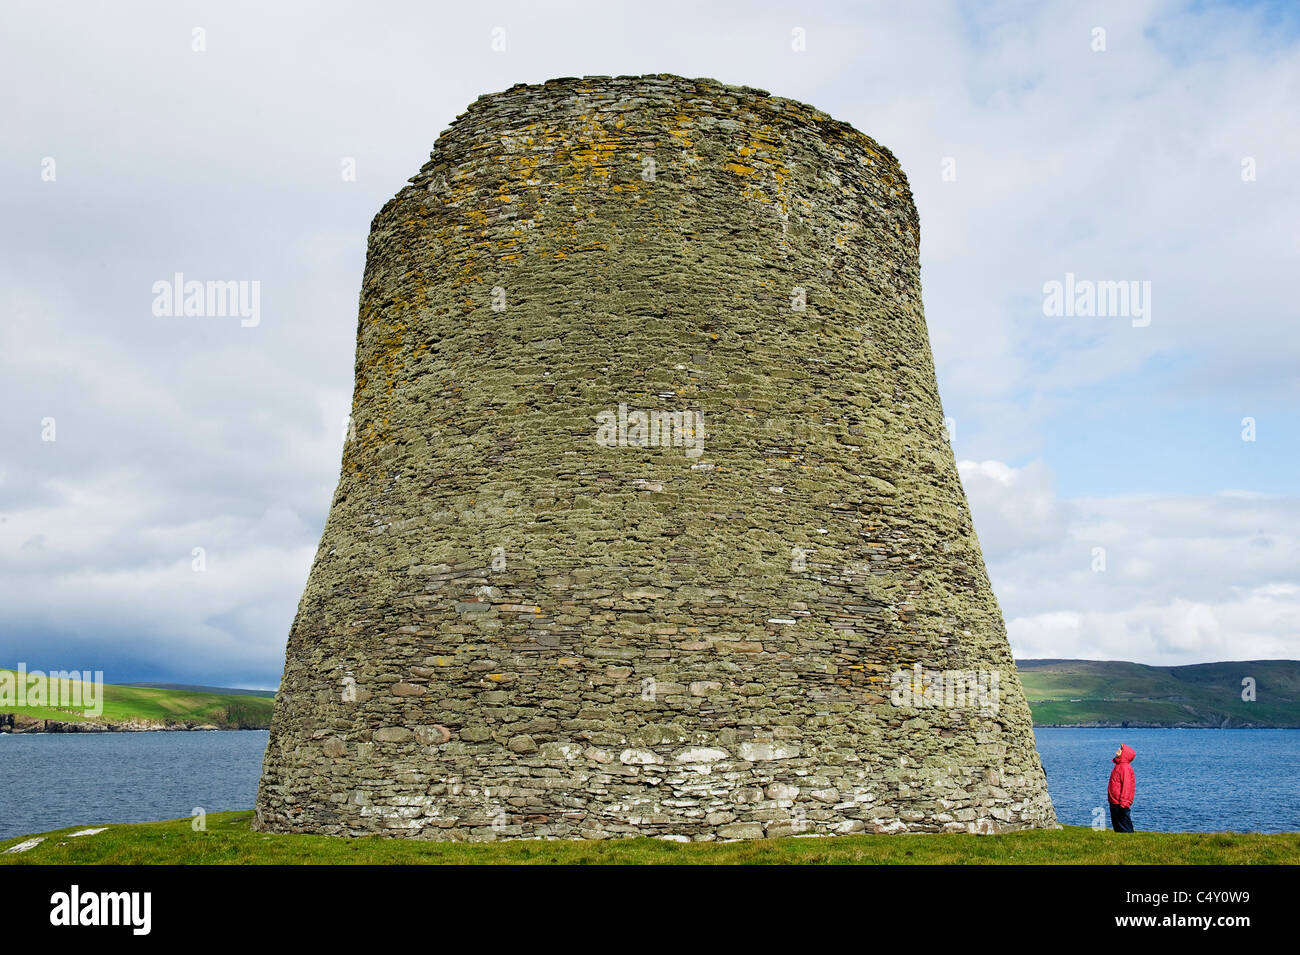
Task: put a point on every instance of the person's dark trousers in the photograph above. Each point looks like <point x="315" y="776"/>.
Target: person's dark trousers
<point x="1120" y="820"/>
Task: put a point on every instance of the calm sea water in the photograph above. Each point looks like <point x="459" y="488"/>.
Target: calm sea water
<point x="1187" y="780"/>
<point x="52" y="780"/>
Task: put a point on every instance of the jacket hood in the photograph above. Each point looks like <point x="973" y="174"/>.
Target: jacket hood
<point x="1126" y="754"/>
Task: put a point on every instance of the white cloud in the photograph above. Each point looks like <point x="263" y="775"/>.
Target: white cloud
<point x="1186" y="579"/>
<point x="226" y="164"/>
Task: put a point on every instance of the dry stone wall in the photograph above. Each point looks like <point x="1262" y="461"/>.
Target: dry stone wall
<point x="648" y="500"/>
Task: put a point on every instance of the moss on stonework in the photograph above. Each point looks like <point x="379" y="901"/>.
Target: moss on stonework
<point x="514" y="629"/>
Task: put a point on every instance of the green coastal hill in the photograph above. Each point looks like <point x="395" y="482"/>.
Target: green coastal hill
<point x="1104" y="693"/>
<point x="1201" y="695"/>
<point x="127" y="708"/>
<point x="195" y="688"/>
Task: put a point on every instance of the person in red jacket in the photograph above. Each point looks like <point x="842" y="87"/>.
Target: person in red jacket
<point x="1121" y="789"/>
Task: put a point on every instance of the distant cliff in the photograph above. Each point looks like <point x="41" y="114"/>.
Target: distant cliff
<point x="1202" y="695"/>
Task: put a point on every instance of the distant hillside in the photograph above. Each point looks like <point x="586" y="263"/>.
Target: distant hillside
<point x="196" y="688"/>
<point x="1060" y="693"/>
<point x="129" y="708"/>
<point x="1115" y="693"/>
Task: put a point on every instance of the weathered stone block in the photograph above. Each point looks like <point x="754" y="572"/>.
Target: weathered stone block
<point x="647" y="479"/>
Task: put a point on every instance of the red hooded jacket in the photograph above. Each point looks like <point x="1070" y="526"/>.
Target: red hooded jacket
<point x="1122" y="783"/>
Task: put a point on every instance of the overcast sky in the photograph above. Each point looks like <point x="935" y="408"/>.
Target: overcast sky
<point x="1165" y="149"/>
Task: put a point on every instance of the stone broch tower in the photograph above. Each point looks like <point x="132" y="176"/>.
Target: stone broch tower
<point x="648" y="523"/>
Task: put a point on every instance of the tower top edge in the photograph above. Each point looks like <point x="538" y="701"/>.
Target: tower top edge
<point x="687" y="88"/>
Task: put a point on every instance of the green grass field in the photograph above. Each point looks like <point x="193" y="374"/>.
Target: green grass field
<point x="123" y="704"/>
<point x="229" y="840"/>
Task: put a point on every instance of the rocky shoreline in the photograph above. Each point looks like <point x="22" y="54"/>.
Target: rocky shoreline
<point x="10" y="723"/>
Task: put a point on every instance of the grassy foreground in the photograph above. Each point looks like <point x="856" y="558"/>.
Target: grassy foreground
<point x="229" y="840"/>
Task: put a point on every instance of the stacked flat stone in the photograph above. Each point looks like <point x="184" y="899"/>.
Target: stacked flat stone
<point x="527" y="620"/>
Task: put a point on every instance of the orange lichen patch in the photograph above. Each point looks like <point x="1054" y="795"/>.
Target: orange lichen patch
<point x="765" y="173"/>
<point x="523" y="165"/>
<point x="596" y="147"/>
<point x="681" y="132"/>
